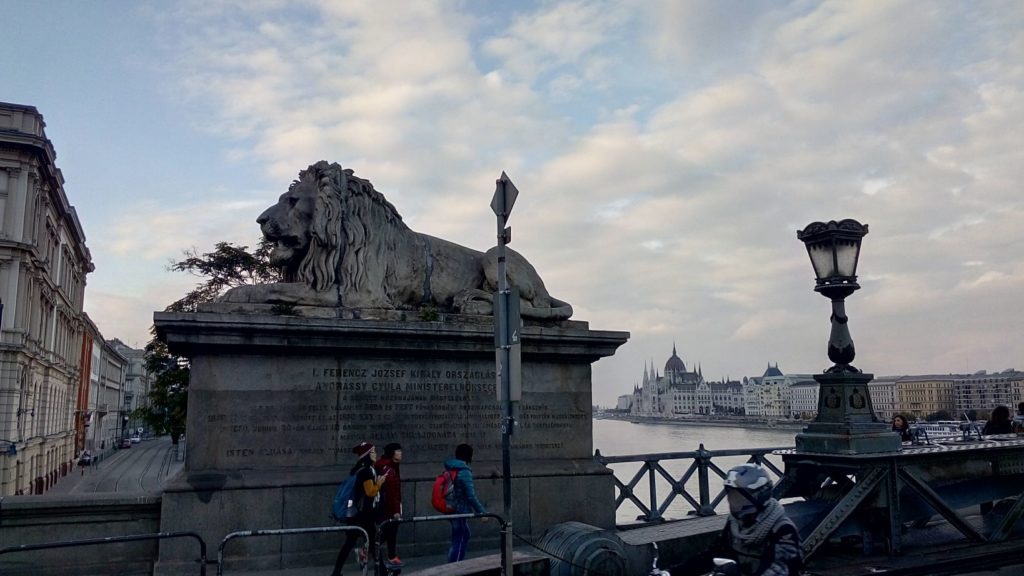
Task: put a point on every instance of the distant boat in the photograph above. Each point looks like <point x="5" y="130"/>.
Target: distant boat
<point x="949" y="429"/>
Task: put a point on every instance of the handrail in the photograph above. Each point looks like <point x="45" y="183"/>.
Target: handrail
<point x="115" y="539"/>
<point x="432" y="518"/>
<point x="683" y="455"/>
<point x="279" y="532"/>
<point x="703" y="504"/>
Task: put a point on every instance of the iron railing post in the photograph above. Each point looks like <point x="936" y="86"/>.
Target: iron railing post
<point x="703" y="459"/>
<point x="655" y="513"/>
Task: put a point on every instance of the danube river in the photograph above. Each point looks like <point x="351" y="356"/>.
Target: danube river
<point x="617" y="437"/>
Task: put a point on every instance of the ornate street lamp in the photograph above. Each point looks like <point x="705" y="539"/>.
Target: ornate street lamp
<point x="834" y="249"/>
<point x="846" y="421"/>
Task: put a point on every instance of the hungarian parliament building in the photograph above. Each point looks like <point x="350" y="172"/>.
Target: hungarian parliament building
<point x="677" y="392"/>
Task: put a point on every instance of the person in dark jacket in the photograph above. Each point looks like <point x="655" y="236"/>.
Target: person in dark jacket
<point x="390" y="507"/>
<point x="365" y="495"/>
<point x="758" y="535"/>
<point x="901" y="426"/>
<point x="464" y="500"/>
<point x="999" y="422"/>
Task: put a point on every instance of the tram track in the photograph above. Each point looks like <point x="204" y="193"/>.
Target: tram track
<point x="152" y="453"/>
<point x="143" y="468"/>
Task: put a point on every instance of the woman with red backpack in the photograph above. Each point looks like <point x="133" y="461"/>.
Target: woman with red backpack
<point x="464" y="500"/>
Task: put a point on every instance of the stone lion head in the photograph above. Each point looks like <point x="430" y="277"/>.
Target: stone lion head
<point x="322" y="224"/>
<point x="304" y="226"/>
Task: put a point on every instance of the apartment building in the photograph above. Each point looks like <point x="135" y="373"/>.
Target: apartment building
<point x="43" y="266"/>
<point x="920" y="396"/>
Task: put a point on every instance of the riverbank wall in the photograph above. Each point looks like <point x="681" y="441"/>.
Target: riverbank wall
<point x="796" y="426"/>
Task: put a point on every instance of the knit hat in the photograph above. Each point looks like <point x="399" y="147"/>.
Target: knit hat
<point x="362" y="449"/>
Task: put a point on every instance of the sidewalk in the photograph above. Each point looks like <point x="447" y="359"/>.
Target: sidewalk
<point x="412" y="565"/>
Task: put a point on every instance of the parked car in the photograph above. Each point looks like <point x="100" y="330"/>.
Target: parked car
<point x="136" y="439"/>
<point x="125" y="443"/>
<point x="85" y="459"/>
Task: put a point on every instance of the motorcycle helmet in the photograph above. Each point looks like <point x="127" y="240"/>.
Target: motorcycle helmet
<point x="748" y="488"/>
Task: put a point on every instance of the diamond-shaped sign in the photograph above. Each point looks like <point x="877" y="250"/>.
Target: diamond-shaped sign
<point x="505" y="194"/>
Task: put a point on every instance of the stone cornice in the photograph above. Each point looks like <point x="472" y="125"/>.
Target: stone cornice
<point x="189" y="334"/>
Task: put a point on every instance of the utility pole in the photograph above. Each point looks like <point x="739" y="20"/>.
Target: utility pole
<point x="507" y="349"/>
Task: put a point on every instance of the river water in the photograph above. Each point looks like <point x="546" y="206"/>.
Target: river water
<point x="617" y="437"/>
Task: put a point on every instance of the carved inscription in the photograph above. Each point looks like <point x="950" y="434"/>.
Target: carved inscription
<point x="330" y="407"/>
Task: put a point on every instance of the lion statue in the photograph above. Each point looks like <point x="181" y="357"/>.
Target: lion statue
<point x="338" y="242"/>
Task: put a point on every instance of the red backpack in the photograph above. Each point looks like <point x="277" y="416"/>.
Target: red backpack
<point x="444" y="488"/>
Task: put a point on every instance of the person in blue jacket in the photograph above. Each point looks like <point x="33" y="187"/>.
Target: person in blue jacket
<point x="464" y="500"/>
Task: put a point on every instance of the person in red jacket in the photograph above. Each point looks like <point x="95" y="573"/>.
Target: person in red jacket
<point x="391" y="505"/>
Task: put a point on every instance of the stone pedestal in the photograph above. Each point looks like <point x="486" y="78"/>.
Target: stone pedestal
<point x="277" y="402"/>
<point x="846" y="422"/>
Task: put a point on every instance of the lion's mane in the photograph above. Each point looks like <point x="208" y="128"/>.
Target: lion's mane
<point x="353" y="226"/>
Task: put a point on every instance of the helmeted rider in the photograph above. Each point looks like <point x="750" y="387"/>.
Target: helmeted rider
<point x="764" y="540"/>
<point x="758" y="535"/>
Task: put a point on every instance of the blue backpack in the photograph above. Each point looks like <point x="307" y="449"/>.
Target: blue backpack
<point x="344" y="508"/>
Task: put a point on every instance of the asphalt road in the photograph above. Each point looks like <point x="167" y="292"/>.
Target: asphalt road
<point x="143" y="468"/>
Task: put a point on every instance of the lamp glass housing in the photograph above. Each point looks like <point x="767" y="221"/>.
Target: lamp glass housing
<point x="847" y="251"/>
<point x="834" y="248"/>
<point x="822" y="259"/>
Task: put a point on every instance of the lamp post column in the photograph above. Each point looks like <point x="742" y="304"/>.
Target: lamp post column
<point x="846" y="421"/>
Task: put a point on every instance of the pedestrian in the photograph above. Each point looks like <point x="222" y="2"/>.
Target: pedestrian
<point x="389" y="467"/>
<point x="464" y="500"/>
<point x="900" y="425"/>
<point x="999" y="422"/>
<point x="1018" y="419"/>
<point x="758" y="535"/>
<point x="365" y="495"/>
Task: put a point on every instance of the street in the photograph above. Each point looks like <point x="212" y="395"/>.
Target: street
<point x="145" y="467"/>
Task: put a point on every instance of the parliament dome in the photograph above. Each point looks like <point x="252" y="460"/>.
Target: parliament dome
<point x="675" y="363"/>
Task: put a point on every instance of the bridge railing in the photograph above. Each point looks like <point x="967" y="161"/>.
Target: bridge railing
<point x="116" y="540"/>
<point x="690" y="481"/>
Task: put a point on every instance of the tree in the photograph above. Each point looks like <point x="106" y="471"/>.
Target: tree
<point x="940" y="415"/>
<point x="227" y="266"/>
<point x="168" y="394"/>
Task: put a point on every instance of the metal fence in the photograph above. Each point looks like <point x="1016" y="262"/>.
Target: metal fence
<point x="281" y="532"/>
<point x="685" y="479"/>
<point x="201" y="562"/>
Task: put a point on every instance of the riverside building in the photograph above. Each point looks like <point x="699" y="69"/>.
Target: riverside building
<point x="681" y="392"/>
<point x="43" y="266"/>
<point x="983" y="391"/>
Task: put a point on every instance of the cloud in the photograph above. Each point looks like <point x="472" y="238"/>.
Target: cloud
<point x="566" y="37"/>
<point x="666" y="153"/>
<point x="150" y="231"/>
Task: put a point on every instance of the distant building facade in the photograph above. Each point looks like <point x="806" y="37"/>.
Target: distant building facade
<point x="983" y="391"/>
<point x="44" y="262"/>
<point x="137" y="382"/>
<point x="105" y="419"/>
<point x="883" y="397"/>
<point x="921" y="396"/>
<point x="681" y="392"/>
<point x="624" y="402"/>
<point x="804" y="395"/>
<point x="770" y="395"/>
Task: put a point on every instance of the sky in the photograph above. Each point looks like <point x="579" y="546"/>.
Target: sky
<point x="666" y="153"/>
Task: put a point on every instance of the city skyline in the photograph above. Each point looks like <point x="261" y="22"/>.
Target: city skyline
<point x="666" y="154"/>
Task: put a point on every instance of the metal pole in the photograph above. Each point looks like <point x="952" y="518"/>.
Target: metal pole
<point x="501" y="318"/>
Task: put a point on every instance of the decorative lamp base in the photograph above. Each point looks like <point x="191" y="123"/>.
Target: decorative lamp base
<point x="846" y="422"/>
